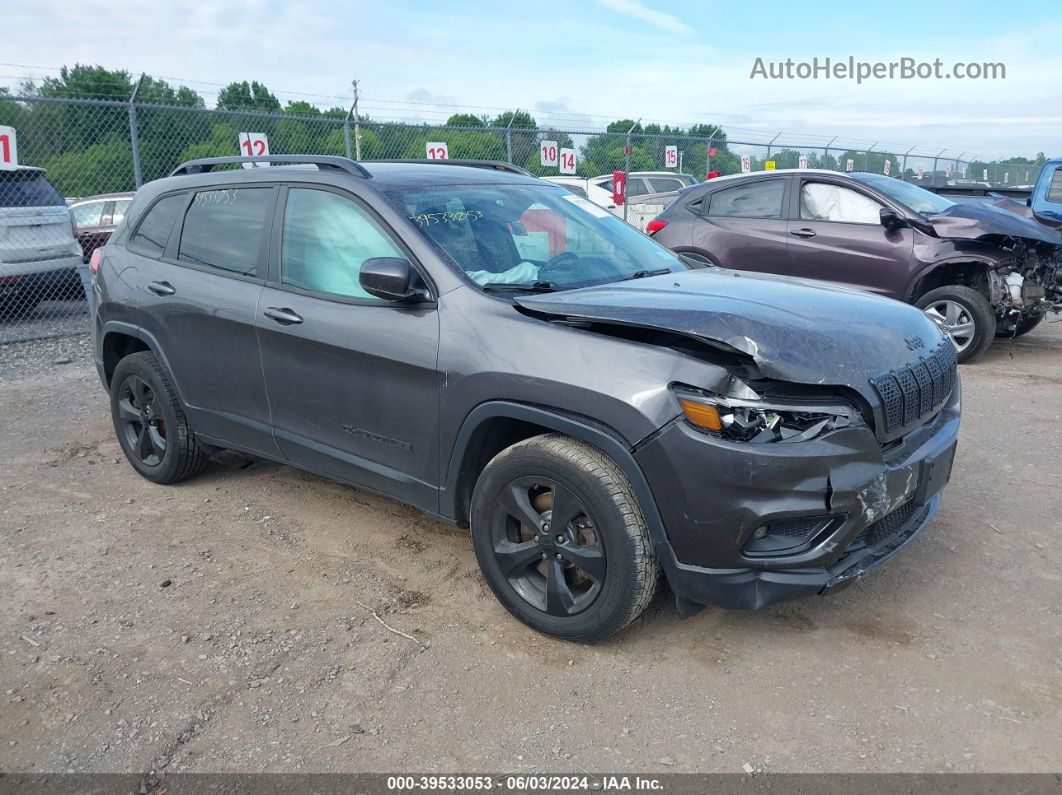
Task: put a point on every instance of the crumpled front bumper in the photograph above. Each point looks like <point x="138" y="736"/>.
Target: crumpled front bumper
<point x="713" y="495"/>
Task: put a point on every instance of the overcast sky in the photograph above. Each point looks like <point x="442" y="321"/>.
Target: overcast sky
<point x="582" y="62"/>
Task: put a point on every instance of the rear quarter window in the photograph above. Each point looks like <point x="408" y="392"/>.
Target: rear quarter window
<point x="153" y="232"/>
<point x="27" y="189"/>
<point x="1054" y="189"/>
<point x="223" y="229"/>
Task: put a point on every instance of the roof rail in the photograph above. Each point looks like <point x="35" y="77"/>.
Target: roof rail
<point x="494" y="165"/>
<point x="323" y="162"/>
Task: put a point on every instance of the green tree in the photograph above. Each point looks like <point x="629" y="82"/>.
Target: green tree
<point x="247" y="96"/>
<point x="466" y="120"/>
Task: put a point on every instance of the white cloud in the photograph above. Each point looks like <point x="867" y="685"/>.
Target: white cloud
<point x="658" y="19"/>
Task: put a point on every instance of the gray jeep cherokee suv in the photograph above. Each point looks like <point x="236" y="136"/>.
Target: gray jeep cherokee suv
<point x="505" y="355"/>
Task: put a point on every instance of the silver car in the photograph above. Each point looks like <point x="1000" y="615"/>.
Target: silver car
<point x="39" y="254"/>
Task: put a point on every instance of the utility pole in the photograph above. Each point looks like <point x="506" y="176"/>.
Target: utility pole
<point x="357" y="123"/>
<point x="134" y="134"/>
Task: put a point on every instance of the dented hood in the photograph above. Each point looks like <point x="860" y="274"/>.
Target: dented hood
<point x="986" y="219"/>
<point x="795" y="330"/>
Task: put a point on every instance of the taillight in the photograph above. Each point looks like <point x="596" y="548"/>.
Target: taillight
<point x="95" y="260"/>
<point x="654" y="226"/>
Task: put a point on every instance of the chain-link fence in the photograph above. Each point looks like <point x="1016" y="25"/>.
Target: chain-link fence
<point x="95" y="153"/>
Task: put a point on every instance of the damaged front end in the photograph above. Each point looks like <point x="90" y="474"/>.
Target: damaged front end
<point x="1027" y="284"/>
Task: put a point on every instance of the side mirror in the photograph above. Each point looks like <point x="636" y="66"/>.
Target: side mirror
<point x="390" y="278"/>
<point x="892" y="220"/>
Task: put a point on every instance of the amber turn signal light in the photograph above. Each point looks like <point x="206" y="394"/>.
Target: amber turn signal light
<point x="703" y="415"/>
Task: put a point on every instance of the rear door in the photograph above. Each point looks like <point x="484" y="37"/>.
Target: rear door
<point x="744" y="226"/>
<point x="352" y="379"/>
<point x="200" y="300"/>
<point x="836" y="235"/>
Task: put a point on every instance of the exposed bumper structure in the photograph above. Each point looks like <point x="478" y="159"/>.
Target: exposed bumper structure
<point x="750" y="525"/>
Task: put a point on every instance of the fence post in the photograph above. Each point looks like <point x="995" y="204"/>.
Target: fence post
<point x="627" y="168"/>
<point x="708" y="156"/>
<point x="770" y="145"/>
<point x="866" y="160"/>
<point x="134" y="135"/>
<point x="346" y="132"/>
<point x="357" y="124"/>
<point x="903" y="171"/>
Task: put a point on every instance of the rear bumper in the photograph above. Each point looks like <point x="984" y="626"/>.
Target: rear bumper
<point x="866" y="504"/>
<point x="40" y="270"/>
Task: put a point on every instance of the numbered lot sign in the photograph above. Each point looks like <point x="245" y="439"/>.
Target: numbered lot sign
<point x="548" y="150"/>
<point x="921" y="173"/>
<point x="769" y="165"/>
<point x="746" y="163"/>
<point x="984" y="175"/>
<point x="888" y="167"/>
<point x="850" y="165"/>
<point x="567" y="161"/>
<point x="437" y="150"/>
<point x="670" y="157"/>
<point x="8" y="149"/>
<point x="803" y="162"/>
<point x="254" y="144"/>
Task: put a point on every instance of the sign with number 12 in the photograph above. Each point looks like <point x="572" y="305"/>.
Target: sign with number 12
<point x="254" y="144"/>
<point x="437" y="150"/>
<point x="567" y="161"/>
<point x="8" y="149"/>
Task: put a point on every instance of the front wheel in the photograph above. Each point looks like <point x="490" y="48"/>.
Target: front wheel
<point x="964" y="315"/>
<point x="561" y="540"/>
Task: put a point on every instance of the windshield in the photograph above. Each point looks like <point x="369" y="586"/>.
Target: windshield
<point x="531" y="237"/>
<point x="24" y="188"/>
<point x="918" y="199"/>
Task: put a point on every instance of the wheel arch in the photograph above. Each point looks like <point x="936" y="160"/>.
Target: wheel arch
<point x="118" y="340"/>
<point x="491" y="427"/>
<point x="967" y="271"/>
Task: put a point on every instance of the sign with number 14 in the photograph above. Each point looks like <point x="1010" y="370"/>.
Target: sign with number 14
<point x="567" y="161"/>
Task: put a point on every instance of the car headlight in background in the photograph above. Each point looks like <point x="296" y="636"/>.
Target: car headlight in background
<point x="762" y="421"/>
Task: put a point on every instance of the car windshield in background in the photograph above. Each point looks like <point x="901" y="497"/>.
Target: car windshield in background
<point x="918" y="199"/>
<point x="530" y="237"/>
<point x="25" y="188"/>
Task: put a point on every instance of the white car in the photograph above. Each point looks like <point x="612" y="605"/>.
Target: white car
<point x="639" y="183"/>
<point x="39" y="254"/>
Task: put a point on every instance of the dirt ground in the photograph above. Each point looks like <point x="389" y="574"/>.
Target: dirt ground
<point x="227" y="624"/>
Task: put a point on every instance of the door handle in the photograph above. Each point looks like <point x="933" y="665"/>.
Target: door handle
<point x="283" y="315"/>
<point x="161" y="288"/>
<point x="805" y="232"/>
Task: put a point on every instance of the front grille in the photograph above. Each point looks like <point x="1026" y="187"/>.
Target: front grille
<point x="886" y="527"/>
<point x="916" y="391"/>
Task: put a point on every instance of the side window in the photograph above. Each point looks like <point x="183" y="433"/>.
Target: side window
<point x="665" y="184"/>
<point x="756" y="200"/>
<point x="154" y="230"/>
<point x="223" y="229"/>
<point x="821" y="201"/>
<point x="120" y="206"/>
<point x="577" y="190"/>
<point x="327" y="239"/>
<point x="86" y="215"/>
<point x="1054" y="189"/>
<point x="636" y="187"/>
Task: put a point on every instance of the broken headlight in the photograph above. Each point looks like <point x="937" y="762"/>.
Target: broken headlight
<point x="760" y="421"/>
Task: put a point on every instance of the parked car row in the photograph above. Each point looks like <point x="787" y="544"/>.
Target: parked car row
<point x="600" y="411"/>
<point x="980" y="270"/>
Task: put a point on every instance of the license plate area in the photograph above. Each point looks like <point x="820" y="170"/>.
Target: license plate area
<point x="936" y="471"/>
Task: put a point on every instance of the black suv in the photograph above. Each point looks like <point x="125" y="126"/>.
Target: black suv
<point x="503" y="354"/>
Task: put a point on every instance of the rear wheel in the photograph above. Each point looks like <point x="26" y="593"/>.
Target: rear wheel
<point x="150" y="422"/>
<point x="561" y="540"/>
<point x="1023" y="326"/>
<point x="964" y="315"/>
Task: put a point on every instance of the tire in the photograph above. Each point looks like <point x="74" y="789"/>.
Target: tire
<point x="536" y="580"/>
<point x="150" y="422"/>
<point x="1024" y="326"/>
<point x="973" y="315"/>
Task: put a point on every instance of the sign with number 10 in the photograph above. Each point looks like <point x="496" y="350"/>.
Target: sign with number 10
<point x="548" y="151"/>
<point x="8" y="149"/>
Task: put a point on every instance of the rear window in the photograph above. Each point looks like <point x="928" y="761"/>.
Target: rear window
<point x="154" y="231"/>
<point x="1054" y="190"/>
<point x="756" y="200"/>
<point x="27" y="189"/>
<point x="223" y="229"/>
<point x="665" y="184"/>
